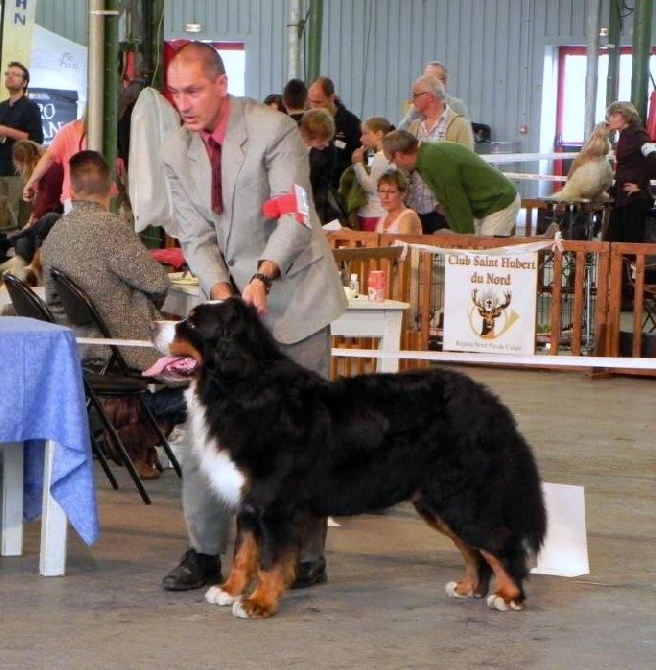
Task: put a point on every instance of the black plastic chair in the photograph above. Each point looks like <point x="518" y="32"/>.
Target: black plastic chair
<point x="81" y="311"/>
<point x="27" y="303"/>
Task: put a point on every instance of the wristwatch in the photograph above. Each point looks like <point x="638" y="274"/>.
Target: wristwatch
<point x="265" y="279"/>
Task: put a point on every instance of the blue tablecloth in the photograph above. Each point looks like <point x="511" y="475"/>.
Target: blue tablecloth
<point x="42" y="398"/>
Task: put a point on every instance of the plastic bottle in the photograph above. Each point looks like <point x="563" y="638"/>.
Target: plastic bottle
<point x="355" y="284"/>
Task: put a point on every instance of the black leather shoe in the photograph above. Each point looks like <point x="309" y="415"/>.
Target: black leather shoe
<point x="310" y="573"/>
<point x="195" y="571"/>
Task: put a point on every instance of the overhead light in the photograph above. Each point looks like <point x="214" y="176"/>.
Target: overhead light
<point x="192" y="27"/>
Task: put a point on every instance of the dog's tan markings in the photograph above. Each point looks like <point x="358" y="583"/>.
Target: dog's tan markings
<point x="244" y="565"/>
<point x="183" y="348"/>
<point x="271" y="585"/>
<point x="470" y="586"/>
<point x="507" y="596"/>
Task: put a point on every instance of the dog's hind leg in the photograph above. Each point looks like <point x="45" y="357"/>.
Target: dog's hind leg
<point x="475" y="583"/>
<point x="244" y="567"/>
<point x="509" y="594"/>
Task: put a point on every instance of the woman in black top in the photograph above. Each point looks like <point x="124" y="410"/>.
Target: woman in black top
<point x="635" y="163"/>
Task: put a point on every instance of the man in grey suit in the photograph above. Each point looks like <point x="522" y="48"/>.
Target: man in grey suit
<point x="231" y="155"/>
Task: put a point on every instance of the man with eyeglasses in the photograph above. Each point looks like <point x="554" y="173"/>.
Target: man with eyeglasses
<point x="436" y="122"/>
<point x="20" y="119"/>
<point x="438" y="70"/>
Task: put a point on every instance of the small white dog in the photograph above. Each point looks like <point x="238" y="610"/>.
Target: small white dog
<point x="591" y="175"/>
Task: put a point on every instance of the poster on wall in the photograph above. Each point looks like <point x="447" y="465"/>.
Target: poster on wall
<point x="57" y="108"/>
<point x="58" y="79"/>
<point x="490" y="303"/>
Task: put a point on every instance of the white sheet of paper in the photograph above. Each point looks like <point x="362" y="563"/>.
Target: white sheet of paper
<point x="565" y="549"/>
<point x="332" y="225"/>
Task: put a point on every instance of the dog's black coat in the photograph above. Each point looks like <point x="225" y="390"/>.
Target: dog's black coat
<point x="360" y="444"/>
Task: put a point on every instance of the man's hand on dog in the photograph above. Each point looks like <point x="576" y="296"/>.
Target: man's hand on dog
<point x="255" y="294"/>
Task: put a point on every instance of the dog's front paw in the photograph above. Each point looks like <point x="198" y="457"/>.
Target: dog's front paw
<point x="455" y="590"/>
<point x="217" y="596"/>
<point x="496" y="602"/>
<point x="252" y="609"/>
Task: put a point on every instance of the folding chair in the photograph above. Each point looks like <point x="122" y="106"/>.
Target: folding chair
<point x="81" y="311"/>
<point x="27" y="303"/>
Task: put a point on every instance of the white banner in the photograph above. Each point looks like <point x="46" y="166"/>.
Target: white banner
<point x="490" y="303"/>
<point x="16" y="37"/>
<point x="58" y="69"/>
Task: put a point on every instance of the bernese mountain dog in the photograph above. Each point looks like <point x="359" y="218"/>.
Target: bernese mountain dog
<point x="279" y="443"/>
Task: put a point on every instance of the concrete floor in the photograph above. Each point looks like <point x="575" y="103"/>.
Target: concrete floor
<point x="384" y="605"/>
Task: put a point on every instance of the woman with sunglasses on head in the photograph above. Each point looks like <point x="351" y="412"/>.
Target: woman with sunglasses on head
<point x="635" y="164"/>
<point x="399" y="219"/>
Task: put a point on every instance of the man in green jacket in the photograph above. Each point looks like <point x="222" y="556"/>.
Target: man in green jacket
<point x="476" y="197"/>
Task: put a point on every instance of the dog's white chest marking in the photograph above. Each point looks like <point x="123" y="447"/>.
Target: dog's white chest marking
<point x="226" y="480"/>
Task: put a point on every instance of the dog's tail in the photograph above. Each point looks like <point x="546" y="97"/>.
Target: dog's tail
<point x="528" y="505"/>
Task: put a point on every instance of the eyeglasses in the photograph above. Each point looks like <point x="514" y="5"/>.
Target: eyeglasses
<point x="418" y="95"/>
<point x="14" y="74"/>
<point x="384" y="192"/>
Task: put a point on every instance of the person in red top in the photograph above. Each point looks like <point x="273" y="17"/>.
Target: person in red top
<point x="70" y="139"/>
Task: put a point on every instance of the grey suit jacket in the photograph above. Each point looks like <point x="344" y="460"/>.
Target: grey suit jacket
<point x="263" y="156"/>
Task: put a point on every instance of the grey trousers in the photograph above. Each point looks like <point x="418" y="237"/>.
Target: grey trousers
<point x="209" y="522"/>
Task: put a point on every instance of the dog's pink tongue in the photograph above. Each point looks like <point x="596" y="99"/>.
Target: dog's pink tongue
<point x="171" y="365"/>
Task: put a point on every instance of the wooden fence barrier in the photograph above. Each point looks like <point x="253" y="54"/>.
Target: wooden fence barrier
<point x="580" y="308"/>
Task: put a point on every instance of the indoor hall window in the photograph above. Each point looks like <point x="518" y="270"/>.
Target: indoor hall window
<point x="570" y="108"/>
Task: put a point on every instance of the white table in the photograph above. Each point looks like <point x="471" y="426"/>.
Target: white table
<point x="44" y="438"/>
<point x="363" y="318"/>
<point x="382" y="320"/>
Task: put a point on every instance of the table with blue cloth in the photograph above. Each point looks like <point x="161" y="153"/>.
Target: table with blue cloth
<point x="44" y="440"/>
